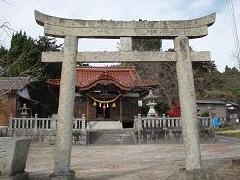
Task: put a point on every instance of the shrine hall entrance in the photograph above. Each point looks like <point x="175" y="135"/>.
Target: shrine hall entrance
<point x="108" y="93"/>
<point x="103" y="113"/>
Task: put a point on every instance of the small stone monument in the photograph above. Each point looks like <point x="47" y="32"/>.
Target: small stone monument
<point x="151" y="104"/>
<point x="13" y="157"/>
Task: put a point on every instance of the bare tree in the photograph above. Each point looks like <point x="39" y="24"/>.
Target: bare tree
<point x="5" y="32"/>
<point x="236" y="59"/>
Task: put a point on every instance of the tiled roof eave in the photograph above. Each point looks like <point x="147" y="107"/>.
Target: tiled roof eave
<point x="102" y="81"/>
<point x="124" y="78"/>
<point x="13" y="83"/>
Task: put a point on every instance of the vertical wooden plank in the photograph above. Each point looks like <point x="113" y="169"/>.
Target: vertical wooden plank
<point x="83" y="122"/>
<point x="120" y="106"/>
<point x="149" y="123"/>
<point x="27" y="124"/>
<point x="153" y="123"/>
<point x="31" y="123"/>
<point x="156" y="123"/>
<point x="169" y="122"/>
<point x="87" y="115"/>
<point x="144" y="123"/>
<point x="10" y="122"/>
<point x="179" y="123"/>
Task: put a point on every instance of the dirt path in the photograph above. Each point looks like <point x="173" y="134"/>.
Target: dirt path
<point x="156" y="161"/>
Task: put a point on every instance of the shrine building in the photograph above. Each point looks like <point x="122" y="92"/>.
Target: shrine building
<point x="108" y="93"/>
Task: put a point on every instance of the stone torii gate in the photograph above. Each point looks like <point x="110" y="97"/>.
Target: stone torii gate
<point x="73" y="29"/>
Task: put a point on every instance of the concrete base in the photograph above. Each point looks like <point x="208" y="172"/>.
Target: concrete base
<point x="22" y="176"/>
<point x="70" y="176"/>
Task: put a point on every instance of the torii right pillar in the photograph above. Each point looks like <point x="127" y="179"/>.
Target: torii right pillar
<point x="188" y="104"/>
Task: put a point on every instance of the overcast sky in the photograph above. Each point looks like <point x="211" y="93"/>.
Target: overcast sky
<point x="20" y="15"/>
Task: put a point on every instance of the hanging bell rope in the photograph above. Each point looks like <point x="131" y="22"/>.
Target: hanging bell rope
<point x="105" y="102"/>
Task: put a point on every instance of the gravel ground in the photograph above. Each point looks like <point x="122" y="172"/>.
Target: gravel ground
<point x="152" y="161"/>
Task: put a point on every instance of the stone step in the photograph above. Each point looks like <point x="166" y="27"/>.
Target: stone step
<point x="111" y="130"/>
<point x="108" y="125"/>
<point x="109" y="133"/>
<point x="113" y="139"/>
<point x="110" y="142"/>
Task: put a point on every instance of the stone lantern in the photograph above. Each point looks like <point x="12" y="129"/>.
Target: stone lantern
<point x="24" y="111"/>
<point x="151" y="103"/>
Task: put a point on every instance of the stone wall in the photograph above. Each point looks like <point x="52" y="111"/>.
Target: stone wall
<point x="146" y="135"/>
<point x="165" y="135"/>
<point x="46" y="136"/>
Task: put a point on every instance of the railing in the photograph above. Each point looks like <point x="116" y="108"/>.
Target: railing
<point x="165" y="122"/>
<point x="80" y="123"/>
<point x="43" y="123"/>
<point x="204" y="121"/>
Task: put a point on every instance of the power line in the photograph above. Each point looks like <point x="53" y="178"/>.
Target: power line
<point x="235" y="29"/>
<point x="234" y="26"/>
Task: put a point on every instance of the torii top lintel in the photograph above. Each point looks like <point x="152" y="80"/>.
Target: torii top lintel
<point x="60" y="27"/>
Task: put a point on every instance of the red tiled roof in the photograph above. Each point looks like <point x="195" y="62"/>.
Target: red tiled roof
<point x="124" y="78"/>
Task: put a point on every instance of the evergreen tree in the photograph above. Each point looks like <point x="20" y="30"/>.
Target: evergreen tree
<point x="3" y="56"/>
<point x="3" y="53"/>
<point x="24" y="59"/>
<point x="51" y="70"/>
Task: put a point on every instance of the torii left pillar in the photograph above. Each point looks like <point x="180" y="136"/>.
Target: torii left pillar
<point x="65" y="112"/>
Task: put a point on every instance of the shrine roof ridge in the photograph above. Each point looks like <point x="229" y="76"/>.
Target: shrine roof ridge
<point x="60" y="27"/>
<point x="105" y="68"/>
<point x="126" y="78"/>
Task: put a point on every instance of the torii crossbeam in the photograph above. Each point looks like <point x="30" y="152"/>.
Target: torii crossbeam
<point x="73" y="29"/>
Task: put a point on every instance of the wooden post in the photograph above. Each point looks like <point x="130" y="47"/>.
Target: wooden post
<point x="120" y="109"/>
<point x="53" y="123"/>
<point x="83" y="122"/>
<point x="10" y="122"/>
<point x="87" y="115"/>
